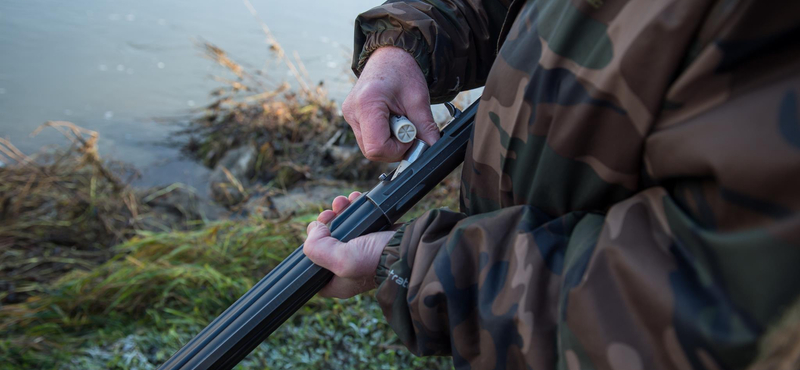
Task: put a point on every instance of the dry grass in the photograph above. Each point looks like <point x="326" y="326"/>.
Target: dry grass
<point x="59" y="211"/>
<point x="70" y="300"/>
<point x="299" y="135"/>
<point x="296" y="128"/>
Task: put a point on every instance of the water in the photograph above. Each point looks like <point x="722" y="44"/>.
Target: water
<point x="113" y="65"/>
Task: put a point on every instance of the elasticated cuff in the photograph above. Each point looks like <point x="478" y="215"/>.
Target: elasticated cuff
<point x="414" y="44"/>
<point x="408" y="41"/>
<point x="390" y="255"/>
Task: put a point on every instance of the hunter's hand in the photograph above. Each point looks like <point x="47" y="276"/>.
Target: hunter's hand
<point x="390" y="83"/>
<point x="353" y="263"/>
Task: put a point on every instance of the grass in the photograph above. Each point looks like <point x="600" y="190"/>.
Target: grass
<point x="80" y="304"/>
<point x="137" y="308"/>
<point x="157" y="290"/>
<point x="83" y="285"/>
<point x="59" y="210"/>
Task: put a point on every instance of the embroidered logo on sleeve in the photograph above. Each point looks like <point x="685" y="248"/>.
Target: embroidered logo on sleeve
<point x="401" y="281"/>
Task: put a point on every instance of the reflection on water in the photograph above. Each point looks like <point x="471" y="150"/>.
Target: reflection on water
<point x="111" y="65"/>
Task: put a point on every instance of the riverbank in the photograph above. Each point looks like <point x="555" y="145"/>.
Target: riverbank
<point x="97" y="274"/>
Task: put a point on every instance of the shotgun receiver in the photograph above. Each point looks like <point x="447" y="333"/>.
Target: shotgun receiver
<point x="271" y="301"/>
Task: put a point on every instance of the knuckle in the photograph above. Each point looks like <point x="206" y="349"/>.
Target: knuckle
<point x="349" y="118"/>
<point x="347" y="104"/>
<point x="359" y="98"/>
<point x="372" y="152"/>
<point x="348" y="110"/>
<point x="418" y="99"/>
<point x="429" y="128"/>
<point x="367" y="92"/>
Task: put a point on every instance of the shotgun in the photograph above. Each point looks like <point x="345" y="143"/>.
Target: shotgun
<point x="271" y="301"/>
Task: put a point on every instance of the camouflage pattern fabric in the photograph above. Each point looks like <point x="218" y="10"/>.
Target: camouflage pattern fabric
<point x="630" y="196"/>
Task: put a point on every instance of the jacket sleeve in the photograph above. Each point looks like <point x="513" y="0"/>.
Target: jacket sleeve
<point x="686" y="273"/>
<point x="644" y="283"/>
<point x="454" y="42"/>
<point x="447" y="282"/>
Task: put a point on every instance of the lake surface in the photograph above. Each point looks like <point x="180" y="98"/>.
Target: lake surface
<point x="113" y="65"/>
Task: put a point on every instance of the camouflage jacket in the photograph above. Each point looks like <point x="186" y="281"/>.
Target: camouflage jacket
<point x="630" y="194"/>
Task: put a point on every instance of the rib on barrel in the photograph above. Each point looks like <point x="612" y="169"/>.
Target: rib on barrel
<point x="271" y="301"/>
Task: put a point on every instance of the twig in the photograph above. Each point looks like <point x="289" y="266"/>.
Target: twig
<point x="276" y="46"/>
<point x="301" y="65"/>
<point x="11" y="151"/>
<point x="233" y="180"/>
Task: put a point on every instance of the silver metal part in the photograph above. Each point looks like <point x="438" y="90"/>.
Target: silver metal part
<point x="416" y="150"/>
<point x="402" y="128"/>
<point x="412" y="155"/>
<point x="454" y="112"/>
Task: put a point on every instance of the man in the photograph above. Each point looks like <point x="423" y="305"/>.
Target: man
<point x="630" y="194"/>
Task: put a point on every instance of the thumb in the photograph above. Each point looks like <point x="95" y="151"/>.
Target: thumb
<point x="320" y="246"/>
<point x="316" y="232"/>
<point x="420" y="114"/>
<point x="379" y="145"/>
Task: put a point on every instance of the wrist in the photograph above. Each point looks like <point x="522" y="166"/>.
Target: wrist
<point x="391" y="53"/>
<point x="391" y="58"/>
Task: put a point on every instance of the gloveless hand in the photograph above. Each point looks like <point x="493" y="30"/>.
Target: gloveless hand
<point x="353" y="263"/>
<point x="390" y="83"/>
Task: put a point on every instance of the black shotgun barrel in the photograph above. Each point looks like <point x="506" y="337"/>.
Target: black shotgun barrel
<point x="271" y="301"/>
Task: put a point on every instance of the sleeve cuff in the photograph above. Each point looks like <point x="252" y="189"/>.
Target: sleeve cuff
<point x="390" y="255"/>
<point x="407" y="41"/>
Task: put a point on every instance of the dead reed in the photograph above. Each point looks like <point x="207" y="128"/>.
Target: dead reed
<point x="298" y="134"/>
<point x="59" y="211"/>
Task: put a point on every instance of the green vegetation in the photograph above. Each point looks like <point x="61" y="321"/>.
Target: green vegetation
<point x="70" y="301"/>
<point x="159" y="289"/>
<point x="97" y="275"/>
